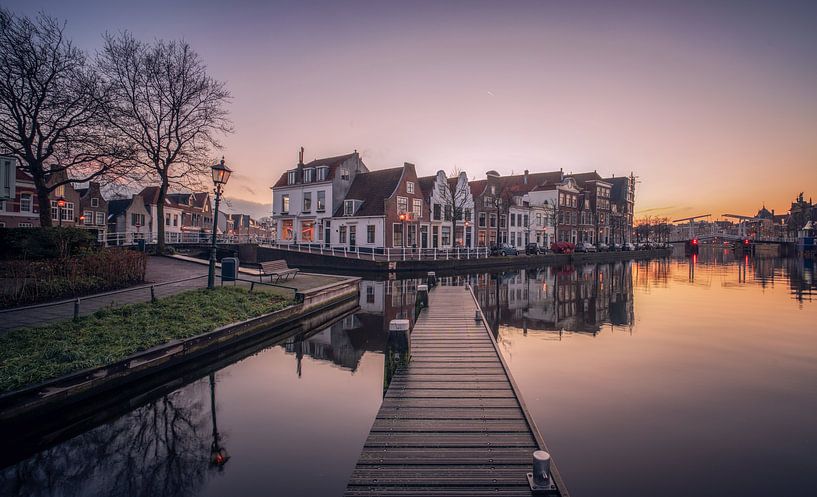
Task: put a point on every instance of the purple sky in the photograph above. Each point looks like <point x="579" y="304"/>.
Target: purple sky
<point x="712" y="105"/>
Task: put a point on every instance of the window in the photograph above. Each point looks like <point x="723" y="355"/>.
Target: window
<point x="397" y="235"/>
<point x="67" y="211"/>
<point x="446" y="236"/>
<point x="175" y="219"/>
<point x="323" y="172"/>
<point x="167" y="219"/>
<point x="25" y="202"/>
<point x="88" y="217"/>
<point x="95" y="202"/>
<point x="487" y="202"/>
<point x="370" y="234"/>
<point x="309" y="175"/>
<point x="412" y="235"/>
<point x="348" y="207"/>
<point x="437" y="212"/>
<point x="370" y="293"/>
<point x="493" y="220"/>
<point x="344" y="174"/>
<point x="493" y="190"/>
<point x="292" y="177"/>
<point x="342" y="234"/>
<point x="573" y="200"/>
<point x="418" y="208"/>
<point x="513" y="220"/>
<point x="100" y="218"/>
<point x="286" y="229"/>
<point x="307" y="201"/>
<point x="21" y="225"/>
<point x="321" y="207"/>
<point x="467" y="214"/>
<point x="447" y="213"/>
<point x="402" y="205"/>
<point x="481" y="219"/>
<point x="137" y="219"/>
<point x="284" y="204"/>
<point x="502" y="221"/>
<point x="409" y="187"/>
<point x="307" y="231"/>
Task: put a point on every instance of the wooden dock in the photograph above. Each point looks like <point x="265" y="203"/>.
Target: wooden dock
<point x="452" y="422"/>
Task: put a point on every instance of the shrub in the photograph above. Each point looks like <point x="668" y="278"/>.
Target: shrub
<point x="44" y="243"/>
<point x="27" y="282"/>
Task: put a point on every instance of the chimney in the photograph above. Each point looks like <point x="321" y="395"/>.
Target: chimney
<point x="526" y="177"/>
<point x="301" y="156"/>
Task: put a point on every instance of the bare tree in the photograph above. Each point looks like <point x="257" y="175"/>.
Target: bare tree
<point x="454" y="196"/>
<point x="169" y="109"/>
<point x="51" y="107"/>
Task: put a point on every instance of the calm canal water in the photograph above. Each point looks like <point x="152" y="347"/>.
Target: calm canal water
<point x="664" y="377"/>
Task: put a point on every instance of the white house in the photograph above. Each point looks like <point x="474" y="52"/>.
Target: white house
<point x="305" y="197"/>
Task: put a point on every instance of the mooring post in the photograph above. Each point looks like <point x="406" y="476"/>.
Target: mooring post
<point x="76" y="309"/>
<point x="432" y="279"/>
<point x="398" y="348"/>
<point x="422" y="295"/>
<point x="153" y="293"/>
<point x="540" y="480"/>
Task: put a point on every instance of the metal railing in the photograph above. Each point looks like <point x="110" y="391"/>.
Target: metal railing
<point x="171" y="238"/>
<point x="387" y="254"/>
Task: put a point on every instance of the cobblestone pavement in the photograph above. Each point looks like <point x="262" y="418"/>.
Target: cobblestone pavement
<point x="163" y="272"/>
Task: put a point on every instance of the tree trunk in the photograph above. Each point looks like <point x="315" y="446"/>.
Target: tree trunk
<point x="160" y="214"/>
<point x="43" y="201"/>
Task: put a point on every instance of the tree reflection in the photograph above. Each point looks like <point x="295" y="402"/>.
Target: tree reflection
<point x="161" y="448"/>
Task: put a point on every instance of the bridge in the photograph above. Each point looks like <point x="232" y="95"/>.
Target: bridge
<point x="702" y="232"/>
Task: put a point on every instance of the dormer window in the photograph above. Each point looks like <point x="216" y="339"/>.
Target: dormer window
<point x="292" y="177"/>
<point x="344" y="174"/>
<point x="323" y="172"/>
<point x="309" y="175"/>
<point x="409" y="187"/>
<point x="493" y="190"/>
<point x="348" y="207"/>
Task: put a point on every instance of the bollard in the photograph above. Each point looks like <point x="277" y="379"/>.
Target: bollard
<point x="432" y="279"/>
<point x="422" y="295"/>
<point x="477" y="316"/>
<point x="398" y="348"/>
<point x="153" y="293"/>
<point x="539" y="480"/>
<point x="76" y="309"/>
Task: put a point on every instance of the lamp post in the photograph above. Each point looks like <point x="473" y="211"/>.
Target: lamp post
<point x="60" y="205"/>
<point x="221" y="173"/>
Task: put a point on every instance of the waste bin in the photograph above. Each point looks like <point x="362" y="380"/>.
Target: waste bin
<point x="140" y="245"/>
<point x="229" y="269"/>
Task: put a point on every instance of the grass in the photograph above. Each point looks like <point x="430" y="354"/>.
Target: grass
<point x="32" y="355"/>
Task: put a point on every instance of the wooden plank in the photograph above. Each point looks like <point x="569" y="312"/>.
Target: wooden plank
<point x="412" y="456"/>
<point x="450" y="413"/>
<point x="452" y="385"/>
<point x="440" y="491"/>
<point x="443" y="475"/>
<point x="462" y="394"/>
<point x="448" y="402"/>
<point x="474" y="439"/>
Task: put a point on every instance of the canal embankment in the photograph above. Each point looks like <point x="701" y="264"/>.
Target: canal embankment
<point x="357" y="263"/>
<point x="263" y="315"/>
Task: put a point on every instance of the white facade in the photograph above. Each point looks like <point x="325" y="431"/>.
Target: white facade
<point x="300" y="211"/>
<point x="443" y="230"/>
<point x="357" y="232"/>
<point x="172" y="220"/>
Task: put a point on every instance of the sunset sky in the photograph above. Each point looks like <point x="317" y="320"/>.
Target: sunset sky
<point x="712" y="104"/>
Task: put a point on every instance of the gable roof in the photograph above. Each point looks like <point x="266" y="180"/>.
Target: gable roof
<point x="373" y="188"/>
<point x="331" y="162"/>
<point x="118" y="206"/>
<point x="618" y="192"/>
<point x="477" y="186"/>
<point x="427" y="185"/>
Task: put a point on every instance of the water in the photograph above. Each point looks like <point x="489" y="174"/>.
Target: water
<point x="652" y="378"/>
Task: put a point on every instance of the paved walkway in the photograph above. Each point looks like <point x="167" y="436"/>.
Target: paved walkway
<point x="164" y="272"/>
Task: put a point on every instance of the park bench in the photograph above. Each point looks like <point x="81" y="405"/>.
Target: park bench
<point x="278" y="269"/>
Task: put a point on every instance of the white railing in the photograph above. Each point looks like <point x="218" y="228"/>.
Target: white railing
<point x="387" y="254"/>
<point x="172" y="238"/>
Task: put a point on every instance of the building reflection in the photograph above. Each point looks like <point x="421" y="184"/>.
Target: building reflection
<point x="569" y="298"/>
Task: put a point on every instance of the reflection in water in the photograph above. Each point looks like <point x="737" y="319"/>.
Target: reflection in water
<point x="708" y="342"/>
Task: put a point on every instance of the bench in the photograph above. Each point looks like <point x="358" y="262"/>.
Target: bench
<point x="278" y="269"/>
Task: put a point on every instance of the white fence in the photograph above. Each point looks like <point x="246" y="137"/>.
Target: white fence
<point x="387" y="254"/>
<point x="117" y="239"/>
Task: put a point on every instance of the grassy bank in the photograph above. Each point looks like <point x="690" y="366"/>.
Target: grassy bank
<point x="32" y="355"/>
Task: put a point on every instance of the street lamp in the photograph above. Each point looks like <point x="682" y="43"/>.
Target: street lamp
<point x="221" y="173"/>
<point x="60" y="205"/>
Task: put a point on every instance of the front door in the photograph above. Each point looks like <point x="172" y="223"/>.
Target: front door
<point x="352" y="235"/>
<point x="435" y="236"/>
<point x="424" y="236"/>
<point x="327" y="233"/>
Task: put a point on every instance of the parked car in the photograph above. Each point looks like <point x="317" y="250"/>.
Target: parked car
<point x="603" y="247"/>
<point x="533" y="249"/>
<point x="616" y="247"/>
<point x="585" y="247"/>
<point x="562" y="247"/>
<point x="504" y="249"/>
<point x="628" y="247"/>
